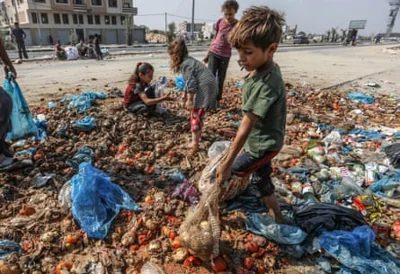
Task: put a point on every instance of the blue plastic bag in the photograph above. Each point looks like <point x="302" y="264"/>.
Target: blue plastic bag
<point x="7" y="247"/>
<point x="266" y="226"/>
<point x="42" y="129"/>
<point x="21" y="117"/>
<point x="179" y="82"/>
<point x="361" y="97"/>
<point x="96" y="201"/>
<point x="383" y="185"/>
<point x="83" y="101"/>
<point x="366" y="135"/>
<point x="356" y="250"/>
<point x="87" y="124"/>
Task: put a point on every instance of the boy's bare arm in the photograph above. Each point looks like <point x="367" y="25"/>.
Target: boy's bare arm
<point x="248" y="122"/>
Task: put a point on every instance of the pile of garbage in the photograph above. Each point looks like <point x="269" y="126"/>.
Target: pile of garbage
<point x="108" y="191"/>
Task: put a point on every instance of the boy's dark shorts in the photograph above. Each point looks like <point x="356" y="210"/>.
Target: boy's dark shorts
<point x="259" y="168"/>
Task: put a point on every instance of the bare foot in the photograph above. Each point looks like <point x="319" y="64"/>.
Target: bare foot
<point x="193" y="149"/>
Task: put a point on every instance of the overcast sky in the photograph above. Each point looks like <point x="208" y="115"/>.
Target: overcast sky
<point x="316" y="16"/>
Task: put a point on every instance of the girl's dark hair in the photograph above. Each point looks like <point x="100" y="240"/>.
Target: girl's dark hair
<point x="141" y="68"/>
<point x="177" y="51"/>
<point x="231" y="4"/>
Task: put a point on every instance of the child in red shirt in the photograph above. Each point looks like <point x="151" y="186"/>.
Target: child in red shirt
<point x="139" y="94"/>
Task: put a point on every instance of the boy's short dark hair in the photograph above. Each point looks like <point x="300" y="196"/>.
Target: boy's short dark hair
<point x="260" y="25"/>
<point x="231" y="4"/>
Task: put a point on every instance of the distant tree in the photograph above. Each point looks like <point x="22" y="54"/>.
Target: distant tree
<point x="201" y="36"/>
<point x="72" y="38"/>
<point x="344" y="34"/>
<point x="328" y="35"/>
<point x="171" y="31"/>
<point x="333" y="35"/>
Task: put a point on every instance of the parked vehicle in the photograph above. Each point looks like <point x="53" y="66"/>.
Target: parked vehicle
<point x="300" y="40"/>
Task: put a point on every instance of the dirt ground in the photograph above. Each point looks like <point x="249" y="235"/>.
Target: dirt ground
<point x="322" y="68"/>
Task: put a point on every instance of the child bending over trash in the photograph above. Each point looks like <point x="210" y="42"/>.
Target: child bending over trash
<point x="6" y="105"/>
<point x="201" y="87"/>
<point x="262" y="129"/>
<point x="139" y="94"/>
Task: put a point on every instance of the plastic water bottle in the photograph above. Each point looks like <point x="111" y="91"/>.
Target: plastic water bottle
<point x="308" y="193"/>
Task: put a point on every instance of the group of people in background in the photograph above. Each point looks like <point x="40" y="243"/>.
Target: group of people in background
<point x="91" y="50"/>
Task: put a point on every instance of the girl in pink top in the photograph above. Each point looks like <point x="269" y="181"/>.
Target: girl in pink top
<point x="220" y="50"/>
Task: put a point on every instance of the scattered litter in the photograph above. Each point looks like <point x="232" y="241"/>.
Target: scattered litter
<point x="361" y="97"/>
<point x="96" y="201"/>
<point x="41" y="180"/>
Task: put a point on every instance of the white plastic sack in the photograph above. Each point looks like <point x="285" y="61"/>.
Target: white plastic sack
<point x="333" y="138"/>
<point x="217" y="148"/>
<point x="72" y="53"/>
<point x="159" y="92"/>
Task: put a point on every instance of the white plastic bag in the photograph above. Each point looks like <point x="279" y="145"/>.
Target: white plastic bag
<point x="64" y="197"/>
<point x="159" y="92"/>
<point x="333" y="138"/>
<point x="72" y="53"/>
<point x="217" y="148"/>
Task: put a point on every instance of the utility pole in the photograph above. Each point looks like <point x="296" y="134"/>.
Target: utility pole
<point x="192" y="35"/>
<point x="166" y="28"/>
<point x="133" y="29"/>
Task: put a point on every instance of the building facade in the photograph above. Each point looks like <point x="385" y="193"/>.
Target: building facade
<point x="185" y="29"/>
<point x="47" y="22"/>
<point x="208" y="31"/>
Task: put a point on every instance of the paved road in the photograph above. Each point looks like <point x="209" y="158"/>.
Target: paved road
<point x="35" y="53"/>
<point x="46" y="53"/>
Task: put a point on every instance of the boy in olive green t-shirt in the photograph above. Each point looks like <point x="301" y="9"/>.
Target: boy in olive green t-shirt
<point x="262" y="129"/>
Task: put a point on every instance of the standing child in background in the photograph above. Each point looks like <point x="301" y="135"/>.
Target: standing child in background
<point x="200" y="91"/>
<point x="262" y="130"/>
<point x="220" y="50"/>
<point x="97" y="48"/>
<point x="139" y="94"/>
